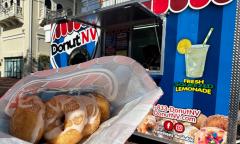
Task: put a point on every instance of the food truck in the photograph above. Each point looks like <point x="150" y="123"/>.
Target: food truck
<point x="189" y="47"/>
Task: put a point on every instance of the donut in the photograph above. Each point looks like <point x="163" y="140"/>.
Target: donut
<point x="75" y="114"/>
<point x="93" y="114"/>
<point x="200" y="121"/>
<point x="219" y="121"/>
<point x="27" y="121"/>
<point x="148" y="123"/>
<point x="103" y="105"/>
<point x="208" y="135"/>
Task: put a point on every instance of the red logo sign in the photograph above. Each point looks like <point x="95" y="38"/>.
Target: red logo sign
<point x="65" y="28"/>
<point x="176" y="6"/>
<point x="179" y="127"/>
<point x="168" y="125"/>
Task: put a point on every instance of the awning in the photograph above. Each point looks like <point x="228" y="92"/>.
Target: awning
<point x="103" y="18"/>
<point x="177" y="6"/>
<point x="128" y="14"/>
<point x="130" y="11"/>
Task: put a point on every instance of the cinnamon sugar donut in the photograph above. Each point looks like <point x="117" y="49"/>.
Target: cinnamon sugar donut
<point x="27" y="122"/>
<point x="75" y="114"/>
<point x="219" y="121"/>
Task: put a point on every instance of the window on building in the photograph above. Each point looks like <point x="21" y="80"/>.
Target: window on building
<point x="6" y="5"/>
<point x="18" y="2"/>
<point x="59" y="7"/>
<point x="13" y="67"/>
<point x="11" y="2"/>
<point x="48" y="4"/>
<point x="69" y="12"/>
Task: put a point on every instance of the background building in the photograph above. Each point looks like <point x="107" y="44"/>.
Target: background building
<point x="22" y="45"/>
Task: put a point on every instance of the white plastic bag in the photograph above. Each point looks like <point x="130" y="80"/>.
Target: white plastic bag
<point x="122" y="80"/>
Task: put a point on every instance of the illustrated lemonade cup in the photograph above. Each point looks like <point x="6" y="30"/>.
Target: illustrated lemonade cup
<point x="195" y="58"/>
<point x="195" y="55"/>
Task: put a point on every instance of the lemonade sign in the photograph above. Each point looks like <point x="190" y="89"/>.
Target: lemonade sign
<point x="195" y="56"/>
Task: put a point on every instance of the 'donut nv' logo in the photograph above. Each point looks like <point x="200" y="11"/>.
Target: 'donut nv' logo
<point x="72" y="43"/>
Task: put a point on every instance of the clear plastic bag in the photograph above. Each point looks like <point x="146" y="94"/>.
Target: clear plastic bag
<point x="124" y="82"/>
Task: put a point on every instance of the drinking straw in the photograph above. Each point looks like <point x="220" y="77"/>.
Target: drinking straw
<point x="208" y="35"/>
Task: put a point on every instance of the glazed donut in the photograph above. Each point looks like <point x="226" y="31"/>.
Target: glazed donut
<point x="200" y="121"/>
<point x="75" y="114"/>
<point x="103" y="105"/>
<point x="93" y="114"/>
<point x="208" y="135"/>
<point x="219" y="121"/>
<point x="27" y="122"/>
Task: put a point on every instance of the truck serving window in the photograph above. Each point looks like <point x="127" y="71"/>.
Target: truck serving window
<point x="146" y="48"/>
<point x="140" y="42"/>
<point x="135" y="32"/>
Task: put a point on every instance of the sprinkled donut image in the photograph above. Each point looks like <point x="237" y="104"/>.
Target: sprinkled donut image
<point x="210" y="135"/>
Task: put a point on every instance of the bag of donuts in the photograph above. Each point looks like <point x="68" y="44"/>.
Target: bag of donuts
<point x="99" y="101"/>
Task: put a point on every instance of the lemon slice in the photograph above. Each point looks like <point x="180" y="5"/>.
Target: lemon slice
<point x="183" y="46"/>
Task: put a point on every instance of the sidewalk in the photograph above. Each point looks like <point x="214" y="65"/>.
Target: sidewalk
<point x="5" y="84"/>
